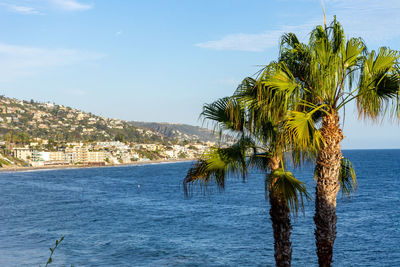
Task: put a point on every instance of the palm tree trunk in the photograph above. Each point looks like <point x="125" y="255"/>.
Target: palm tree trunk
<point x="282" y="227"/>
<point x="327" y="174"/>
<point x="280" y="217"/>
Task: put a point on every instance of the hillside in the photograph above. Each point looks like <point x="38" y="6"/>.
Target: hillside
<point x="178" y="132"/>
<point x="21" y="120"/>
<point x="45" y="134"/>
<point x="26" y="119"/>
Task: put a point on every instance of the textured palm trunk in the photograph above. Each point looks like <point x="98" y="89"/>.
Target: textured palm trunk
<point x="327" y="174"/>
<point x="280" y="217"/>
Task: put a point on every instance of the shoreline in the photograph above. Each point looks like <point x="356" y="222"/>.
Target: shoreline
<point x="66" y="167"/>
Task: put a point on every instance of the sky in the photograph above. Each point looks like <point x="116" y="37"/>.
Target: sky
<point x="163" y="60"/>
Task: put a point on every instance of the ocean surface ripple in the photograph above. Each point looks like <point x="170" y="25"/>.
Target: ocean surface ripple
<point x="109" y="220"/>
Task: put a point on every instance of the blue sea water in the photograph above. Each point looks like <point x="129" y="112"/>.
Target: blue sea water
<point x="107" y="220"/>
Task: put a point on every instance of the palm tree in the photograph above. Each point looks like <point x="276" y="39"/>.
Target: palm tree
<point x="262" y="143"/>
<point x="324" y="76"/>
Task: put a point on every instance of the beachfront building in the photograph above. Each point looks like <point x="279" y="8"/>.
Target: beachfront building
<point x="57" y="156"/>
<point x="96" y="156"/>
<point x="102" y="153"/>
<point x="22" y="153"/>
<point x="39" y="157"/>
<point x="44" y="156"/>
<point x="35" y="156"/>
<point x="70" y="156"/>
<point x="77" y="154"/>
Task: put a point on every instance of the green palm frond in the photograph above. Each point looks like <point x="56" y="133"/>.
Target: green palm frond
<point x="301" y="130"/>
<point x="217" y="163"/>
<point x="235" y="156"/>
<point x="354" y="48"/>
<point x="265" y="131"/>
<point x="246" y="94"/>
<point x="296" y="56"/>
<point x="337" y="36"/>
<point x="201" y="173"/>
<point x="260" y="161"/>
<point x="332" y="71"/>
<point x="277" y="92"/>
<point x="289" y="41"/>
<point x="247" y="84"/>
<point x="281" y="79"/>
<point x="379" y="83"/>
<point x="318" y="34"/>
<point x="226" y="113"/>
<point x="291" y="190"/>
<point x="347" y="177"/>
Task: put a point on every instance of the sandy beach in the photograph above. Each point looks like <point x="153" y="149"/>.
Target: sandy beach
<point x="60" y="167"/>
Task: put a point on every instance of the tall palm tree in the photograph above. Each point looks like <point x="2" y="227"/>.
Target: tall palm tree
<point x="262" y="143"/>
<point x="325" y="75"/>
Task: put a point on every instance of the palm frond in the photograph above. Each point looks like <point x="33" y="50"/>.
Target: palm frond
<point x="318" y="34"/>
<point x="284" y="184"/>
<point x="289" y="41"/>
<point x="226" y="113"/>
<point x="347" y="177"/>
<point x="301" y="130"/>
<point x="379" y="84"/>
<point x="216" y="164"/>
<point x="278" y="91"/>
<point x="337" y="36"/>
<point x="354" y="48"/>
<point x="280" y="79"/>
<point x="260" y="161"/>
<point x="247" y="84"/>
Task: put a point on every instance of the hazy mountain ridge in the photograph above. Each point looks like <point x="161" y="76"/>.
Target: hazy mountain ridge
<point x="178" y="131"/>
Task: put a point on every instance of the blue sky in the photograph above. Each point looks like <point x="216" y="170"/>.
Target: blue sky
<point x="162" y="60"/>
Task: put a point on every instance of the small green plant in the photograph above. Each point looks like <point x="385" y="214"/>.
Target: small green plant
<point x="52" y="250"/>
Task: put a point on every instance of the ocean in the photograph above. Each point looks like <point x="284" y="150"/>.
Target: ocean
<point x="138" y="216"/>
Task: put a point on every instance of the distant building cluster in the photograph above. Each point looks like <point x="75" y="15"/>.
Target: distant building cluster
<point x="45" y="134"/>
<point x="105" y="153"/>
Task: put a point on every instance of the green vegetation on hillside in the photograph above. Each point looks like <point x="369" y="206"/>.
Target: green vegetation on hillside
<point x="22" y="120"/>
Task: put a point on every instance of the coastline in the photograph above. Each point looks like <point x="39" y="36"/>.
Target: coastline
<point x="66" y="167"/>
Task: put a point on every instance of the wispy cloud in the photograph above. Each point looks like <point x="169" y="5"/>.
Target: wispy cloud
<point x="23" y="9"/>
<point x="35" y="7"/>
<point x="244" y="42"/>
<point x="22" y="60"/>
<point x="373" y="20"/>
<point x="118" y="33"/>
<point x="257" y="42"/>
<point x="71" y="5"/>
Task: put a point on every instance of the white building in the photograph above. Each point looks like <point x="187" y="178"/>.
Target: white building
<point x="57" y="156"/>
<point x="96" y="156"/>
<point x="44" y="156"/>
<point x="22" y="153"/>
<point x="77" y="154"/>
<point x="117" y="144"/>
